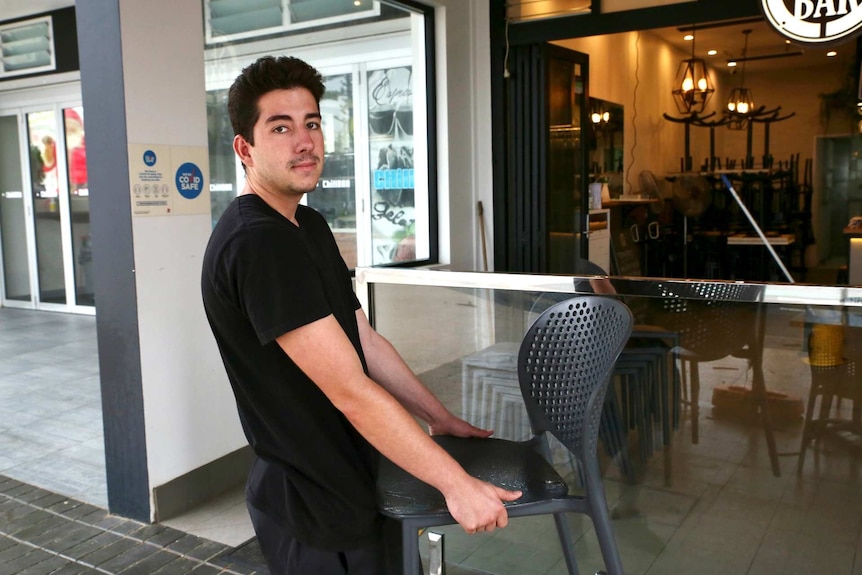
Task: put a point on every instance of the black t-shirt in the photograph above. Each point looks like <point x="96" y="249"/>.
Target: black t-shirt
<point x="262" y="277"/>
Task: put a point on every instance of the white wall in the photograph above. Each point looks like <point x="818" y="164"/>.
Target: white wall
<point x="464" y="131"/>
<point x="189" y="410"/>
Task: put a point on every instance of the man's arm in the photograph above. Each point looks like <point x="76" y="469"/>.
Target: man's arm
<point x="388" y="368"/>
<point x="324" y="353"/>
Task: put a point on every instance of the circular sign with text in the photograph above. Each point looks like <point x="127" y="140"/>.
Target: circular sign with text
<point x="190" y="180"/>
<point x="814" y="22"/>
<point x="150" y="158"/>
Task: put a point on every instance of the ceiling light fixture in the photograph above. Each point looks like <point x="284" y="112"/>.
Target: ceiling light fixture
<point x="712" y="53"/>
<point x="693" y="85"/>
<point x="741" y="102"/>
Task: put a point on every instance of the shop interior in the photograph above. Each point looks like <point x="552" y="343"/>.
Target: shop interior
<point x="657" y="153"/>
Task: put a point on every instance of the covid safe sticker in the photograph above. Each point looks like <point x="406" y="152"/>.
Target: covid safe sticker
<point x="190" y="181"/>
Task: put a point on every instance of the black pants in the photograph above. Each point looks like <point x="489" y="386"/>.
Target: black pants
<point x="287" y="556"/>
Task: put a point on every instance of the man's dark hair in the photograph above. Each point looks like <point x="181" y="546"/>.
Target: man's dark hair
<point x="263" y="76"/>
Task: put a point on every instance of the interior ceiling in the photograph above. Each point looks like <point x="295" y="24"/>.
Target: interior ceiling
<point x="729" y="40"/>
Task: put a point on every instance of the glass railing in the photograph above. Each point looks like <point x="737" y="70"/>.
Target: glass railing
<point x="740" y="438"/>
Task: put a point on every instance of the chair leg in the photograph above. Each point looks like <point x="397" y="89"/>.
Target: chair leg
<point x="410" y="562"/>
<point x="605" y="533"/>
<point x="566" y="542"/>
<point x="694" y="398"/>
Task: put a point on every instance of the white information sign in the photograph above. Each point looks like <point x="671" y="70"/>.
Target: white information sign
<point x="168" y="180"/>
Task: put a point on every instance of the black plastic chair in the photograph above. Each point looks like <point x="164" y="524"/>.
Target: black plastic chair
<point x="564" y="368"/>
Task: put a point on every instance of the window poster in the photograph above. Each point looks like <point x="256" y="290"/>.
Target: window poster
<point x="393" y="204"/>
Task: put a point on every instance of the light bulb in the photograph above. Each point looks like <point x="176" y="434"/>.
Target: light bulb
<point x="701" y="84"/>
<point x="596" y="118"/>
<point x="742" y="107"/>
<point x="606" y="116"/>
<point x="687" y="84"/>
<point x="731" y="106"/>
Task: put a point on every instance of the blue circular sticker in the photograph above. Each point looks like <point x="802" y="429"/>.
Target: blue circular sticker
<point x="190" y="180"/>
<point x="150" y="158"/>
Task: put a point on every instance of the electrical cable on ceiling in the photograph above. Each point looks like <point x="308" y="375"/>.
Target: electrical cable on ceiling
<point x="506" y="57"/>
<point x="634" y="111"/>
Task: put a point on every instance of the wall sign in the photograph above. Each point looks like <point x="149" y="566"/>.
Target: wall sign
<point x="814" y="22"/>
<point x="168" y="180"/>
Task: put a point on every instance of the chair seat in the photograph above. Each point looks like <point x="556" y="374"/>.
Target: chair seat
<point x="507" y="464"/>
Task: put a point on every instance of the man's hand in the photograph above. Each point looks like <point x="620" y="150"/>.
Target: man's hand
<point x="478" y="506"/>
<point x="452" y="425"/>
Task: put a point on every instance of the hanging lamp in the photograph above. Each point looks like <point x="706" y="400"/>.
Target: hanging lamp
<point x="740" y="104"/>
<point x="693" y="86"/>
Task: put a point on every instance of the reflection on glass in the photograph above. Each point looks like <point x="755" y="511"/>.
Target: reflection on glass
<point x="42" y="130"/>
<point x="775" y="399"/>
<point x="13" y="234"/>
<point x="335" y="196"/>
<point x="393" y="204"/>
<point x="223" y="185"/>
<point x="79" y="200"/>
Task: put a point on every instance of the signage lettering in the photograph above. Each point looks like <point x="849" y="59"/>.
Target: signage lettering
<point x="816" y="22"/>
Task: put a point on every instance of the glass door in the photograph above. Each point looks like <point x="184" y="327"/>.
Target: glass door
<point x="43" y="134"/>
<point x="13" y="218"/>
<point x="79" y="204"/>
<point x="44" y="208"/>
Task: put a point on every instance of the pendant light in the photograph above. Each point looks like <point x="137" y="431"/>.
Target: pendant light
<point x="693" y="87"/>
<point x="741" y="102"/>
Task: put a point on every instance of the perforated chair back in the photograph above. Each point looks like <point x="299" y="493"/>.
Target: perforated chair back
<point x="564" y="367"/>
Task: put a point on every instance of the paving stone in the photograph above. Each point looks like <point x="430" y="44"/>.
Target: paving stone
<point x="127" y="558"/>
<point x="62" y="504"/>
<point x="179" y="566"/>
<point x="46" y="567"/>
<point x="13" y="552"/>
<point x="48" y="523"/>
<point x="26" y="521"/>
<point x="75" y="569"/>
<point x="6" y="543"/>
<point x="66" y="537"/>
<point x="24" y="561"/>
<point x="147" y="531"/>
<point x="166" y="537"/>
<point x="151" y="562"/>
<point x="18" y="490"/>
<point x="126" y="526"/>
<point x="186" y="543"/>
<point x="207" y="550"/>
<point x="82" y="510"/>
<point x="99" y="556"/>
<point x="96" y="516"/>
<point x="207" y="570"/>
<point x="37" y="495"/>
<point x="84" y="548"/>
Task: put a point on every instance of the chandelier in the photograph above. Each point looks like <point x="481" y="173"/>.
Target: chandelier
<point x="693" y="86"/>
<point x="740" y="103"/>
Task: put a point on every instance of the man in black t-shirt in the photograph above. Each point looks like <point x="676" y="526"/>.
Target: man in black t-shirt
<point x="320" y="394"/>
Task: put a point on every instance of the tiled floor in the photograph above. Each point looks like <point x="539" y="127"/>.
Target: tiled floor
<point x="720" y="511"/>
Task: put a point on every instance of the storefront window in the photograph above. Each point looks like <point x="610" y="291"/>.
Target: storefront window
<point x="375" y="121"/>
<point x="393" y="199"/>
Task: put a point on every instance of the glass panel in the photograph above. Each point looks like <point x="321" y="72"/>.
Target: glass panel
<point x="13" y="231"/>
<point x="335" y="196"/>
<point x="736" y="417"/>
<point x="393" y="203"/>
<point x="42" y="130"/>
<point x="79" y="200"/>
<point x="396" y="211"/>
<point x="565" y="165"/>
<point x="223" y="185"/>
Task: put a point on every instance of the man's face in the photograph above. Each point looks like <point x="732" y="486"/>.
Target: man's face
<point x="287" y="155"/>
